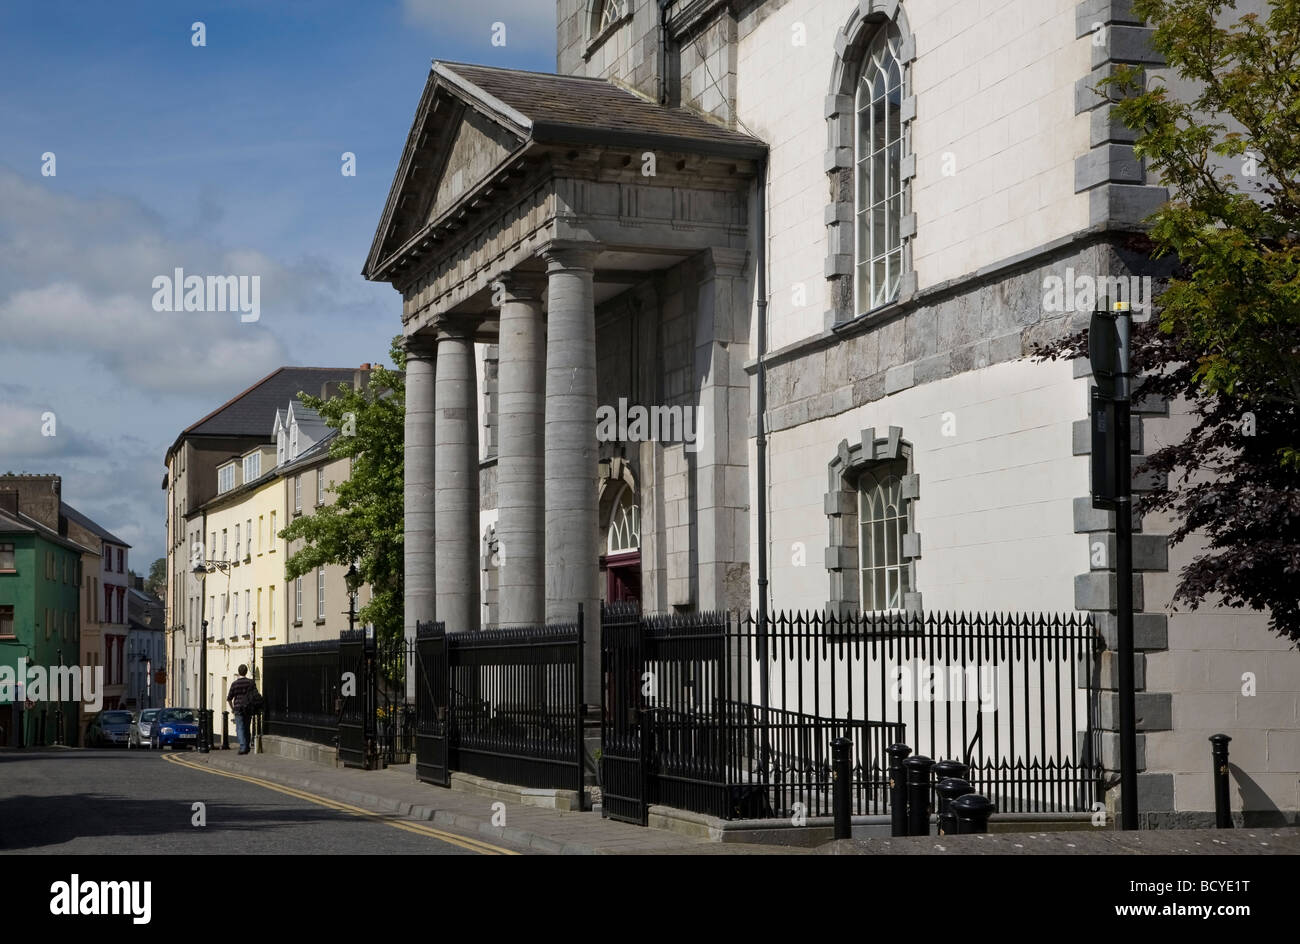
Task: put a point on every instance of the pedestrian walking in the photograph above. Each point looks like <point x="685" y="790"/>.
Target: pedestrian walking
<point x="242" y="693"/>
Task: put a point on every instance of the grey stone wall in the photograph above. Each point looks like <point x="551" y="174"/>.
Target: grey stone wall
<point x="706" y="66"/>
<point x="627" y="52"/>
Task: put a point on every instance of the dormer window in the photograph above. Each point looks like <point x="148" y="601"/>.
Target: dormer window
<point x="252" y="466"/>
<point x="293" y="441"/>
<point x="225" y="478"/>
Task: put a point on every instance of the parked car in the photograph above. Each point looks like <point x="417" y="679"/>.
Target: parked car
<point x="110" y="726"/>
<point x="175" y="727"/>
<point x="140" y="730"/>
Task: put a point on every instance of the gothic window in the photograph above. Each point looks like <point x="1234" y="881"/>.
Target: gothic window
<point x="873" y="548"/>
<point x="878" y="152"/>
<point x="869" y="112"/>
<point x="882" y="521"/>
<point x="608" y="12"/>
<point x="625" y="526"/>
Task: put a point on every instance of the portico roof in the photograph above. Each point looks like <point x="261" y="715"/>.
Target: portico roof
<point x="479" y="130"/>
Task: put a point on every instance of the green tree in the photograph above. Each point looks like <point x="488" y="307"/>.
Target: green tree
<point x="364" y="525"/>
<point x="1227" y="341"/>
<point x="156" y="582"/>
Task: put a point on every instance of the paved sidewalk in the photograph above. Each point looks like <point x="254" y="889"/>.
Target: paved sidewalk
<point x="395" y="790"/>
<point x="1265" y="840"/>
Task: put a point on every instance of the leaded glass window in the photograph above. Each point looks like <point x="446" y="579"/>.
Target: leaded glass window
<point x="878" y="155"/>
<point x="611" y="11"/>
<point x="882" y="518"/>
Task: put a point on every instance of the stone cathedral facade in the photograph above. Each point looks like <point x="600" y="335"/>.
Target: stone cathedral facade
<point x="891" y="201"/>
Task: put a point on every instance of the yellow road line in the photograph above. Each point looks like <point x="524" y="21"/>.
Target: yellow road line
<point x="420" y="829"/>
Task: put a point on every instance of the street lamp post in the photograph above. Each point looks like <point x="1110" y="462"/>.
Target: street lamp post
<point x="257" y="718"/>
<point x="58" y="720"/>
<point x="201" y="570"/>
<point x="352" y="596"/>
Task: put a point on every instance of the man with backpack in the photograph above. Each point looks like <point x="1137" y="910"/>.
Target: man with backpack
<point x="244" y="699"/>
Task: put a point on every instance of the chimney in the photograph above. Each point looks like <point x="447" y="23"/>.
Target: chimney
<point x="138" y="583"/>
<point x="9" y="502"/>
<point x="39" y="495"/>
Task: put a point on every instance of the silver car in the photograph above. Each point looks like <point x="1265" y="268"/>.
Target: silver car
<point x="142" y="728"/>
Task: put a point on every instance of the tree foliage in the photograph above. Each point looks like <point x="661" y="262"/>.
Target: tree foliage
<point x="1227" y="341"/>
<point x="156" y="582"/>
<point x="364" y="524"/>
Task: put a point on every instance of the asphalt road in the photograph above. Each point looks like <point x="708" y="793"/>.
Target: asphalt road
<point x="138" y="802"/>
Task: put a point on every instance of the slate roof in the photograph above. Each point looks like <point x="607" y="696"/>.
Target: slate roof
<point x="252" y="412"/>
<point x="67" y="511"/>
<point x="21" y="524"/>
<point x="576" y="109"/>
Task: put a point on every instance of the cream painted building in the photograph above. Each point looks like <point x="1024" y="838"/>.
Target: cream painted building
<point x="244" y="591"/>
<point x="244" y="422"/>
<point x="317" y="603"/>
<point x="247" y="601"/>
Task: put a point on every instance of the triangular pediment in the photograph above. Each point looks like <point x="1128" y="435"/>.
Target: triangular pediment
<point x="456" y="141"/>
<point x="478" y="145"/>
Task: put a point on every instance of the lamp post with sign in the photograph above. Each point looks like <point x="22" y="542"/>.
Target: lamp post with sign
<point x="1109" y="350"/>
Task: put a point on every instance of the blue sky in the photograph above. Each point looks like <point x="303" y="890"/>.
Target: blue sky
<point x="221" y="159"/>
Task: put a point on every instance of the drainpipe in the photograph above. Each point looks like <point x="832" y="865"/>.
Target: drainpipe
<point x="663" y="50"/>
<point x="760" y="442"/>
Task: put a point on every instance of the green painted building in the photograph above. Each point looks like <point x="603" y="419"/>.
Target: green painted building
<point x="40" y="584"/>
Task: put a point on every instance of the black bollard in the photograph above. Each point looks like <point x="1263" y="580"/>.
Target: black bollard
<point x="225" y="730"/>
<point x="972" y="812"/>
<point x="918" y="794"/>
<point x="1222" y="805"/>
<point x="842" y="776"/>
<point x="950" y="768"/>
<point x="897" y="788"/>
<point x="949" y="788"/>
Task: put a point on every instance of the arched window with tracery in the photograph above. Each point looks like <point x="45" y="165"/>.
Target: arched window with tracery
<point x="882" y="520"/>
<point x="878" y="154"/>
<point x="624" y="526"/>
<point x="870" y="112"/>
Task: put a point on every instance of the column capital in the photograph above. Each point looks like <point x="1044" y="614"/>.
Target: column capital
<point x="721" y="261"/>
<point x="564" y="254"/>
<point x="521" y="286"/>
<point x="422" y="346"/>
<point x="458" y="327"/>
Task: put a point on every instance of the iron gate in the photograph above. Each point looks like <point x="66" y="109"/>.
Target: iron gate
<point x="623" y="751"/>
<point x="431" y="699"/>
<point x="358" y="696"/>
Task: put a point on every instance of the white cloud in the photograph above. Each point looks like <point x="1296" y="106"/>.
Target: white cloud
<point x="174" y="352"/>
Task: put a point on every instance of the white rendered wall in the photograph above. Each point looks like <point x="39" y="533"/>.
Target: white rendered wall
<point x="995" y="514"/>
<point x="994" y="81"/>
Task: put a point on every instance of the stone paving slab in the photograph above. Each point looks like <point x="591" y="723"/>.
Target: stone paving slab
<point x="1267" y="841"/>
<point x="395" y="790"/>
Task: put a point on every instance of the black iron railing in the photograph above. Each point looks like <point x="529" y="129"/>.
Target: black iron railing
<point x="502" y="704"/>
<point x="1012" y="694"/>
<point x="301" y="686"/>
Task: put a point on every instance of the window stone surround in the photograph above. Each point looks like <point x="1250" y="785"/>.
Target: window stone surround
<point x="851" y="44"/>
<point x="843" y="562"/>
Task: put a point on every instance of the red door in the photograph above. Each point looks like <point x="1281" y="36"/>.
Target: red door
<point x="623" y="578"/>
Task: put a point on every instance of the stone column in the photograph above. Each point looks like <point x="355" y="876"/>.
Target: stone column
<point x="419" y="602"/>
<point x="572" y="528"/>
<point x="456" y="499"/>
<point x="719" y="458"/>
<point x="521" y="417"/>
